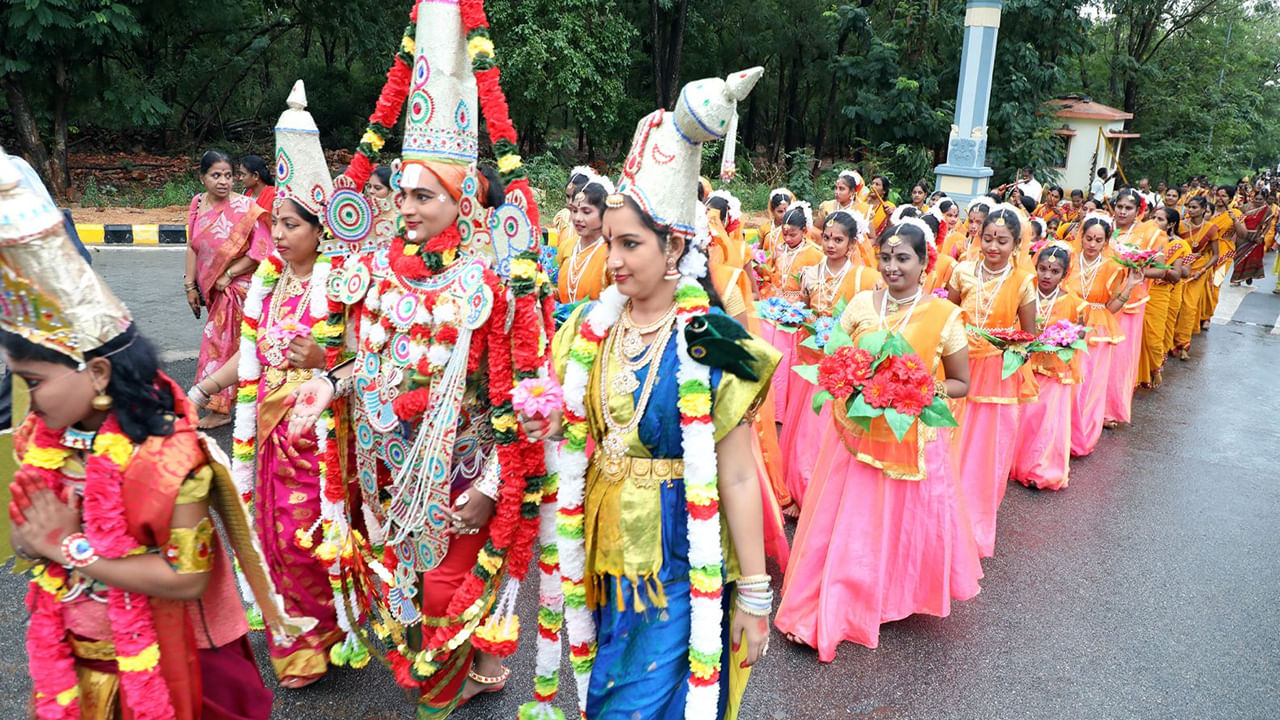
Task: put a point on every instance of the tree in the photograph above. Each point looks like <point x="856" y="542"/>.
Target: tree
<point x="48" y="44"/>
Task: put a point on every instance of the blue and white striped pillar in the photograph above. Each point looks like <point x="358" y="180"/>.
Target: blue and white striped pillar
<point x="965" y="175"/>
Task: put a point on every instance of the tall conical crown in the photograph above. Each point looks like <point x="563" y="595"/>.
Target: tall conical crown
<point x="661" y="171"/>
<point x="48" y="293"/>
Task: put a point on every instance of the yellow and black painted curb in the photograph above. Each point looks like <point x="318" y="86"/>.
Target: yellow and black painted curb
<point x="97" y="234"/>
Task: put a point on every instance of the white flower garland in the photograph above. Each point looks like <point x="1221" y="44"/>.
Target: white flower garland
<point x="706" y="557"/>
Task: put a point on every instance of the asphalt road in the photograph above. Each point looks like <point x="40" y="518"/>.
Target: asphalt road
<point x="1145" y="590"/>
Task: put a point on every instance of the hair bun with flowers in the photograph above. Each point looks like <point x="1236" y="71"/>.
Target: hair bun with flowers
<point x="735" y="205"/>
<point x="804" y="207"/>
<point x="854" y="177"/>
<point x="1107" y="222"/>
<point x="784" y="192"/>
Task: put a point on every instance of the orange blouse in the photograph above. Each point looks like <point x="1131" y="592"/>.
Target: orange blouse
<point x="825" y="290"/>
<point x="992" y="304"/>
<point x="785" y="266"/>
<point x="1067" y="306"/>
<point x="1096" y="283"/>
<point x="935" y="330"/>
<point x="583" y="272"/>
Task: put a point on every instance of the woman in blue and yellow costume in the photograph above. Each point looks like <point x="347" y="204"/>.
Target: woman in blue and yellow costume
<point x="425" y="344"/>
<point x="660" y="542"/>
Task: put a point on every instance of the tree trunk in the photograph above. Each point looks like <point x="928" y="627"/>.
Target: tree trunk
<point x="659" y="90"/>
<point x="29" y="134"/>
<point x="675" y="49"/>
<point x="791" y="130"/>
<point x="59" y="171"/>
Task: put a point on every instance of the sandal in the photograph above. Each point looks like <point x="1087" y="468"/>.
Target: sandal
<point x="491" y="684"/>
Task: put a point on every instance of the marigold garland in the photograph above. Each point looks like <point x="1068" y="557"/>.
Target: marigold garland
<point x="133" y="628"/>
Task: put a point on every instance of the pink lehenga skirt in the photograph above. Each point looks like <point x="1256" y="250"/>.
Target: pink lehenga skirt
<point x="1089" y="398"/>
<point x="870" y="549"/>
<point x="801" y="436"/>
<point x="1123" y="375"/>
<point x="987" y="436"/>
<point x="1042" y="453"/>
<point x="787" y="343"/>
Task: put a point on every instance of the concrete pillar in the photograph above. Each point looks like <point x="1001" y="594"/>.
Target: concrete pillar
<point x="965" y="175"/>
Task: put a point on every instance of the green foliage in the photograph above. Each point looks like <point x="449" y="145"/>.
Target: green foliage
<point x="1201" y="79"/>
<point x="846" y="84"/>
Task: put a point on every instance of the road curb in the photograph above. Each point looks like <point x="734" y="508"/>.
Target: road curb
<point x="110" y="234"/>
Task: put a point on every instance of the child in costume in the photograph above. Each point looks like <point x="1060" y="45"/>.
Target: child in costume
<point x="133" y="605"/>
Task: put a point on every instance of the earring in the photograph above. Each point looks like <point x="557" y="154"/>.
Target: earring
<point x="101" y="402"/>
<point x="672" y="273"/>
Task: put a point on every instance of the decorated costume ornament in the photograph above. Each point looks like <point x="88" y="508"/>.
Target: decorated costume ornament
<point x="661" y="170"/>
<point x="432" y="311"/>
<point x="48" y="294"/>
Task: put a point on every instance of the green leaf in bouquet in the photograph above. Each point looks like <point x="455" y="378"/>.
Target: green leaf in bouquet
<point x="862" y="422"/>
<point x="975" y="330"/>
<point x="811" y="342"/>
<point x="1066" y="353"/>
<point x="938" y="414"/>
<point x="899" y="423"/>
<point x="874" y="342"/>
<point x="780" y="327"/>
<point x="820" y="398"/>
<point x="838" y="310"/>
<point x="1080" y="344"/>
<point x="1012" y="361"/>
<point x="859" y="408"/>
<point x="838" y="339"/>
<point x="895" y="344"/>
<point x="808" y="372"/>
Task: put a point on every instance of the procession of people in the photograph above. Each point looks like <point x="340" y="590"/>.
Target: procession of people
<point x="435" y="403"/>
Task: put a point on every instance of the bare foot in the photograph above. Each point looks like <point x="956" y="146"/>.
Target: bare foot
<point x="213" y="420"/>
<point x="479" y="684"/>
<point x="297" y="683"/>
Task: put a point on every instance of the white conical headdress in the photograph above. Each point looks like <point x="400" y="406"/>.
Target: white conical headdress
<point x="302" y="175"/>
<point x="661" y="171"/>
<point x="440" y="126"/>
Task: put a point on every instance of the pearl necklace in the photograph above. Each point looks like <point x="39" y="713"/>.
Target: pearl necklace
<point x="1089" y="273"/>
<point x="577" y="267"/>
<point x="982" y="309"/>
<point x="829" y="286"/>
<point x="289" y="286"/>
<point x="912" y="302"/>
<point x="1044" y="305"/>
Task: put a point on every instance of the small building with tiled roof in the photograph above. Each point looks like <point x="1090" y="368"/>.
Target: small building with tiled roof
<point x="1090" y="136"/>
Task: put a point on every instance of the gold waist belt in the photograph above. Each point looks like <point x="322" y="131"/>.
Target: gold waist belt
<point x="100" y="650"/>
<point x="644" y="472"/>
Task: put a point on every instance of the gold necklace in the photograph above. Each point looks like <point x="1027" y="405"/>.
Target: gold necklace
<point x="1089" y="273"/>
<point x="615" y="440"/>
<point x="1042" y="317"/>
<point x="829" y="286"/>
<point x="632" y="345"/>
<point x="983" y="304"/>
<point x="287" y="287"/>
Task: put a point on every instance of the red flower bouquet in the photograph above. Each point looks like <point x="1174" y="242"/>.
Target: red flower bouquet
<point x="879" y="377"/>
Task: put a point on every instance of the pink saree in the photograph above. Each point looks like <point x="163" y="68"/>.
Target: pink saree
<point x="220" y="235"/>
<point x="287" y="499"/>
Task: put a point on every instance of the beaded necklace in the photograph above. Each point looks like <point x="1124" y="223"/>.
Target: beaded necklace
<point x="911" y="304"/>
<point x="983" y="304"/>
<point x="578" y="265"/>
